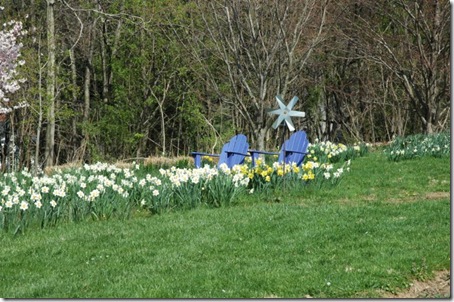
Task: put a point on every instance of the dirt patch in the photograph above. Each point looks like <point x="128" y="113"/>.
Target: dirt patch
<point x="438" y="195"/>
<point x="413" y="197"/>
<point x="439" y="287"/>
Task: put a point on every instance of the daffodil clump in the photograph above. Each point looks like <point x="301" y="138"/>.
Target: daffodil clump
<point x="325" y="162"/>
<point x="99" y="191"/>
<point x="333" y="153"/>
<point x="102" y="191"/>
<point x="264" y="176"/>
<point x="419" y="145"/>
<point x="189" y="188"/>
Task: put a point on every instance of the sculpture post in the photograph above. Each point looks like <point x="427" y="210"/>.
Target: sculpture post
<point x="285" y="113"/>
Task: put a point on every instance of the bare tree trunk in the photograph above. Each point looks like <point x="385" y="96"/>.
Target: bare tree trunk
<point x="323" y="130"/>
<point x="50" y="133"/>
<point x="87" y="101"/>
<point x="108" y="52"/>
<point x="145" y="93"/>
<point x="40" y="112"/>
<point x="104" y="54"/>
<point x="75" y="103"/>
<point x="160" y="102"/>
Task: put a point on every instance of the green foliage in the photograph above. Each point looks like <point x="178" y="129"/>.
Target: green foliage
<point x="191" y="113"/>
<point x="419" y="145"/>
<point x="224" y="189"/>
<point x="113" y="129"/>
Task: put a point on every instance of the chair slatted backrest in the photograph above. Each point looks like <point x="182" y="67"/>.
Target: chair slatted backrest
<point x="234" y="152"/>
<point x="294" y="149"/>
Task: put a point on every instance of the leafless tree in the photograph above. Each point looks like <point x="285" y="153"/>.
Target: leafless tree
<point x="411" y="39"/>
<point x="262" y="48"/>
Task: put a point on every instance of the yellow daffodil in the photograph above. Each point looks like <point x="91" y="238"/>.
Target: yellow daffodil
<point x="244" y="170"/>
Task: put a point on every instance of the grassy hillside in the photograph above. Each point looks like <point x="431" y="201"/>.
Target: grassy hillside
<point x="384" y="225"/>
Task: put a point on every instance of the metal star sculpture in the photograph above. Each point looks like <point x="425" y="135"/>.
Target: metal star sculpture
<point x="285" y="113"/>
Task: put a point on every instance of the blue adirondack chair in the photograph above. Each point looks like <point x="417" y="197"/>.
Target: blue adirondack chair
<point x="293" y="150"/>
<point x="232" y="153"/>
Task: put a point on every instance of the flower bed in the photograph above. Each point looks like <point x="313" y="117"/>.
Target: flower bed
<point x="419" y="145"/>
<point x="103" y="191"/>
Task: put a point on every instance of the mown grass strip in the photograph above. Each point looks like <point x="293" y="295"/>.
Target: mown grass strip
<point x="271" y="249"/>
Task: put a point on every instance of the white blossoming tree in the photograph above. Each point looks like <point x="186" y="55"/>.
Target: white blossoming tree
<point x="10" y="48"/>
<point x="9" y="61"/>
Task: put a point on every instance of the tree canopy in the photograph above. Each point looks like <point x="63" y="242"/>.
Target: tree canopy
<point x="124" y="79"/>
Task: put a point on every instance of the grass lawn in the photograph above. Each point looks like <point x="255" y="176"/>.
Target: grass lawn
<point x="385" y="225"/>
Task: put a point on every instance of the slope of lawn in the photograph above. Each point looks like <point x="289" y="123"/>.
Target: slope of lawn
<point x="386" y="224"/>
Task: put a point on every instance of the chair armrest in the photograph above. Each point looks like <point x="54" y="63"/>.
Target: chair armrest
<point x="204" y="154"/>
<point x="295" y="151"/>
<point x="236" y="152"/>
<point x="262" y="152"/>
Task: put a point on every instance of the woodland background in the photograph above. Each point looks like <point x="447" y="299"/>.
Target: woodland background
<point x="119" y="79"/>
